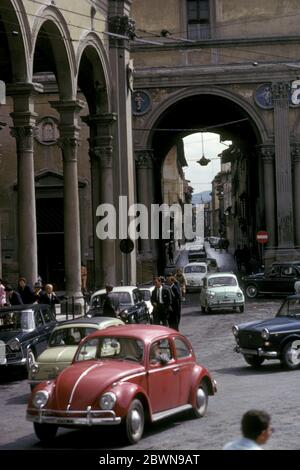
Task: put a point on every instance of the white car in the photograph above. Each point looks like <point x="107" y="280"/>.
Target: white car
<point x="221" y="290"/>
<point x="194" y="274"/>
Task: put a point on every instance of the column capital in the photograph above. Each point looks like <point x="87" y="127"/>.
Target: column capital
<point x="103" y="155"/>
<point x="144" y="158"/>
<point x="266" y="152"/>
<point x="280" y="90"/>
<point x="24" y="136"/>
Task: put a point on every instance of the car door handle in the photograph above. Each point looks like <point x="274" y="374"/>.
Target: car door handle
<point x="176" y="370"/>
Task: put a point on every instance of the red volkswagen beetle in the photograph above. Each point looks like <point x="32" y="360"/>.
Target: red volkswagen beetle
<point x="123" y="375"/>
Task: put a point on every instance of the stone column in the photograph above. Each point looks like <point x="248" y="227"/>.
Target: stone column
<point x="122" y="85"/>
<point x="101" y="158"/>
<point x="283" y="174"/>
<point x="2" y="124"/>
<point x="296" y="192"/>
<point x="145" y="182"/>
<point x="267" y="154"/>
<point x="69" y="142"/>
<point x="24" y="120"/>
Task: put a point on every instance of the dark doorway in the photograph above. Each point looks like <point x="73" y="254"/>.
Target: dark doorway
<point x="50" y="240"/>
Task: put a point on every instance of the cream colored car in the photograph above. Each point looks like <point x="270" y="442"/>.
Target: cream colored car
<point x="62" y="346"/>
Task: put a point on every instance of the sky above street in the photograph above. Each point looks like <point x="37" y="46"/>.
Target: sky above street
<point x="201" y="176"/>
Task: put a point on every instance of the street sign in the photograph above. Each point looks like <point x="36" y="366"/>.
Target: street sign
<point x="126" y="245"/>
<point x="262" y="237"/>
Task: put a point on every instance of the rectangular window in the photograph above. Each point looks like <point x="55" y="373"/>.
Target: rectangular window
<point x="198" y="19"/>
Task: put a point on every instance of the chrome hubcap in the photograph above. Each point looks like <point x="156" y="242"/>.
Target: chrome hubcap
<point x="135" y="421"/>
<point x="201" y="399"/>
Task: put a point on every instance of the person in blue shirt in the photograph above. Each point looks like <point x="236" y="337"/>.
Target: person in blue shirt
<point x="256" y="430"/>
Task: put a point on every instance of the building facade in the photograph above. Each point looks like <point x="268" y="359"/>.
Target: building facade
<point x="98" y="92"/>
<point x="66" y="139"/>
<point x="223" y="66"/>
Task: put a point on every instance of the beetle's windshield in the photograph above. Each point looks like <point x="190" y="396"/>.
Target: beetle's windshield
<point x="111" y="347"/>
<point x="290" y="308"/>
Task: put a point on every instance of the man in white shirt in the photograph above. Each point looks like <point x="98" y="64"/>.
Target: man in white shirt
<point x="256" y="430"/>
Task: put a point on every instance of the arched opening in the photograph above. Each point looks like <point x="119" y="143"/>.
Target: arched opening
<point x="13" y="49"/>
<point x="214" y="113"/>
<point x="51" y="68"/>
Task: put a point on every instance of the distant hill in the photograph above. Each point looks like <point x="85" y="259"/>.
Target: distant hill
<point x="204" y="196"/>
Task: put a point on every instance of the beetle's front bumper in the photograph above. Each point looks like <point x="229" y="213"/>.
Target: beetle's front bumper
<point x="87" y="417"/>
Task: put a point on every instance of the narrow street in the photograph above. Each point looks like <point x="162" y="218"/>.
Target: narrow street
<point x="239" y="389"/>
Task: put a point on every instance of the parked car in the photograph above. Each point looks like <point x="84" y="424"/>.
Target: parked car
<point x="24" y="331"/>
<point x="197" y="253"/>
<point x="124" y="376"/>
<point x="273" y="338"/>
<point x="63" y="344"/>
<point x="221" y="291"/>
<point x="194" y="274"/>
<point x="280" y="279"/>
<point x="132" y="307"/>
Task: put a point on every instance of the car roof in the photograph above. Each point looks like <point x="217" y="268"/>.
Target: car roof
<point x="85" y="321"/>
<point x="116" y="289"/>
<point x="147" y="287"/>
<point x="147" y="333"/>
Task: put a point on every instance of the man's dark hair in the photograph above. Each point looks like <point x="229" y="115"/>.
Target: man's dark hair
<point x="254" y="422"/>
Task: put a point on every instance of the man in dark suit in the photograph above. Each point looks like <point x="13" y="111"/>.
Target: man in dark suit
<point x="13" y="297"/>
<point x="25" y="291"/>
<point x="110" y="304"/>
<point x="174" y="315"/>
<point x="161" y="299"/>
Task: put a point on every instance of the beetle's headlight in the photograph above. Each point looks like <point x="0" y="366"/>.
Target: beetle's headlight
<point x="235" y="330"/>
<point x="34" y="368"/>
<point x="265" y="333"/>
<point x="14" y="344"/>
<point x="239" y="294"/>
<point x="107" y="401"/>
<point x="40" y="398"/>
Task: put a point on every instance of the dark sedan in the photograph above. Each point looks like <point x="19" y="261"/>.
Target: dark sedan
<point x="275" y="338"/>
<point x="24" y="333"/>
<point x="279" y="280"/>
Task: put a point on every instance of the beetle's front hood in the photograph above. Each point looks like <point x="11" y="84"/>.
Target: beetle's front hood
<point x="58" y="354"/>
<point x="81" y="384"/>
<point x="272" y="324"/>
